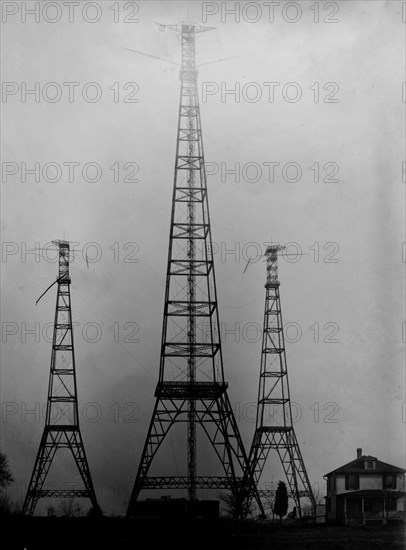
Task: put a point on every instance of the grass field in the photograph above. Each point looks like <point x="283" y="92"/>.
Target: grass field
<point x="41" y="533"/>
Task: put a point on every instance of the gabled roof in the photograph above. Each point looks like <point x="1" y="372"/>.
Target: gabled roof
<point x="357" y="466"/>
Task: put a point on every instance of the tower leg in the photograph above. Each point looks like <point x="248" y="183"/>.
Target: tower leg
<point x="51" y="441"/>
<point x="217" y="420"/>
<point x="162" y="420"/>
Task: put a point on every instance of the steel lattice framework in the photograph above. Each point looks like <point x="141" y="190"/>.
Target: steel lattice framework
<point x="274" y="426"/>
<point x="62" y="419"/>
<point x="191" y="388"/>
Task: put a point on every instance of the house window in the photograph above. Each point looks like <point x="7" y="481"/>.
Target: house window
<point x="390" y="503"/>
<point x="352" y="482"/>
<point x="332" y="483"/>
<point x="389" y="481"/>
<point x="369" y="465"/>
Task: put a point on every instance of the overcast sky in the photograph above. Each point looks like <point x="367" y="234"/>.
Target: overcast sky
<point x="343" y="107"/>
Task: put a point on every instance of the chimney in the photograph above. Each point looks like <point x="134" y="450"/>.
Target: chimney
<point x="359" y="453"/>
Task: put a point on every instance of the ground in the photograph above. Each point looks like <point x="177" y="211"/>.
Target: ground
<point x="118" y="533"/>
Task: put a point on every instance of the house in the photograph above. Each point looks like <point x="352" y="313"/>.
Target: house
<point x="365" y="490"/>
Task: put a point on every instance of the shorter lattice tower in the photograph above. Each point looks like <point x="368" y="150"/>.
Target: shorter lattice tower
<point x="274" y="426"/>
<point x="61" y="429"/>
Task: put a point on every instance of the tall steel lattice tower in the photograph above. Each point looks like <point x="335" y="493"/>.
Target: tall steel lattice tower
<point x="61" y="429"/>
<point x="191" y="386"/>
<point x="274" y="426"/>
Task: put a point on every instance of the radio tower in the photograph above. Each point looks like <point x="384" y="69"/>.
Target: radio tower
<point x="191" y="386"/>
<point x="274" y="427"/>
<point x="61" y="429"/>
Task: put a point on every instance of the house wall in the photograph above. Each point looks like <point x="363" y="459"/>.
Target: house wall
<point x="367" y="481"/>
<point x="340" y="484"/>
<point x="333" y="511"/>
<point x="400" y="482"/>
<point x="370" y="481"/>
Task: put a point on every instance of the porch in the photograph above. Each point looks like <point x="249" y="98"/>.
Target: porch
<point x="370" y="506"/>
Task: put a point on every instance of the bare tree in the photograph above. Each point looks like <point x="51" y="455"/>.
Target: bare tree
<point x="269" y="502"/>
<point x="233" y="504"/>
<point x="5" y="474"/>
<point x="6" y="504"/>
<point x="308" y="507"/>
<point x="51" y="512"/>
<point x="69" y="508"/>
